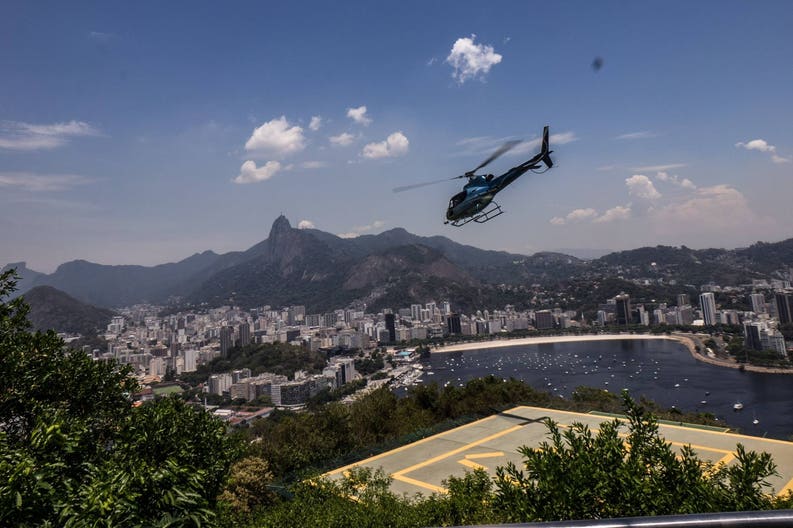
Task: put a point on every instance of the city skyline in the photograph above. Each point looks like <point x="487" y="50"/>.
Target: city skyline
<point x="149" y="133"/>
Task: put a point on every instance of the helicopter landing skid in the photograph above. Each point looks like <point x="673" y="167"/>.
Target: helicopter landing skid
<point x="480" y="218"/>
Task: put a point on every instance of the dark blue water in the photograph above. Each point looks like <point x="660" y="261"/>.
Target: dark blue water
<point x="661" y="370"/>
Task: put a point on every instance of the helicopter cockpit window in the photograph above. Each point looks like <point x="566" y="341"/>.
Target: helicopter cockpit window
<point x="456" y="199"/>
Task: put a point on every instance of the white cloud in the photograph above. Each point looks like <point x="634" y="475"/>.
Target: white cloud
<point x="306" y="224"/>
<point x="276" y="137"/>
<point x="395" y="145"/>
<point x="377" y="224"/>
<point x="313" y="165"/>
<point x="644" y="134"/>
<point x="656" y="168"/>
<point x="316" y="123"/>
<point x="358" y="230"/>
<point x="249" y="173"/>
<point x="471" y="60"/>
<point x="757" y="144"/>
<point x="342" y="140"/>
<point x="674" y="179"/>
<point x="31" y="181"/>
<point x="762" y="145"/>
<point x="708" y="210"/>
<point x="17" y="135"/>
<point x="359" y="115"/>
<point x="581" y="214"/>
<point x="640" y="186"/>
<point x="577" y="215"/>
<point x="615" y="213"/>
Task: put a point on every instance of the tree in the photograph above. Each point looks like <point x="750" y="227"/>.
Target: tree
<point x="582" y="475"/>
<point x="75" y="452"/>
<point x="247" y="488"/>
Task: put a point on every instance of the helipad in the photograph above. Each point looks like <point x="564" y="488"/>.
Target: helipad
<point x="493" y="441"/>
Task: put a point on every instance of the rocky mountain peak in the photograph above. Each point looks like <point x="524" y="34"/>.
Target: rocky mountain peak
<point x="280" y="226"/>
<point x="284" y="244"/>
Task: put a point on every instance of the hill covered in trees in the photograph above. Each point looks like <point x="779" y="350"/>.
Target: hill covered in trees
<point x="52" y="309"/>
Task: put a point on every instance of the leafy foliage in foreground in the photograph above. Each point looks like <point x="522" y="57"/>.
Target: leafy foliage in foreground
<point x="75" y="452"/>
<point x="582" y="475"/>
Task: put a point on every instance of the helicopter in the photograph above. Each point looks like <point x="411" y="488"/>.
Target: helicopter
<point x="471" y="204"/>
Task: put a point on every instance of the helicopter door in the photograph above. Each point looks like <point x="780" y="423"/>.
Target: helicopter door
<point x="457" y="199"/>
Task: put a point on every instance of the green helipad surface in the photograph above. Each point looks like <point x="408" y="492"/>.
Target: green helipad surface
<point x="491" y="442"/>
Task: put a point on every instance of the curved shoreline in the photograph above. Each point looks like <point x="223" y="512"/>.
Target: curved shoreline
<point x="690" y="341"/>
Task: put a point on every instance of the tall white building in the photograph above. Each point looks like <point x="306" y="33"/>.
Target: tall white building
<point x="190" y="360"/>
<point x="758" y="303"/>
<point x="707" y="303"/>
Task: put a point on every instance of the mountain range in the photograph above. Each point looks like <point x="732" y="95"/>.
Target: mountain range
<point x="392" y="269"/>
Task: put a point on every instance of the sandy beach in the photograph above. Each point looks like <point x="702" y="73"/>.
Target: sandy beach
<point x="498" y="343"/>
<point x="690" y="341"/>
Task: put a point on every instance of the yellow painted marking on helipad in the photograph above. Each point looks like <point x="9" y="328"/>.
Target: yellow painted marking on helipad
<point x="485" y="455"/>
<point x="405" y="447"/>
<point x="419" y="483"/>
<point x="726" y="459"/>
<point x="471" y="464"/>
<point x="702" y="448"/>
<point x="787" y="489"/>
<point x="456" y="451"/>
<point x="468" y="460"/>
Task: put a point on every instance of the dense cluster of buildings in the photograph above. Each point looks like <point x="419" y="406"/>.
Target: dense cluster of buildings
<point x="156" y="346"/>
<point x="279" y="389"/>
<point x="771" y="305"/>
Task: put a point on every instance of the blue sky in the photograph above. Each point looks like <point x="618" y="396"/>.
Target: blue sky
<point x="144" y="132"/>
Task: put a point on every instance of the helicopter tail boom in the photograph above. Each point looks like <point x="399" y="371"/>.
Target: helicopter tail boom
<point x="545" y="153"/>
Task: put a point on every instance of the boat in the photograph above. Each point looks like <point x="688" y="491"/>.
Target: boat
<point x="737" y="406"/>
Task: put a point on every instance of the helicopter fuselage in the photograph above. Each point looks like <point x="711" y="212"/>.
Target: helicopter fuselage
<point x="479" y="192"/>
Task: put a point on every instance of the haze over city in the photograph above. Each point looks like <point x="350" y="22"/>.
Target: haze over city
<point x="144" y="133"/>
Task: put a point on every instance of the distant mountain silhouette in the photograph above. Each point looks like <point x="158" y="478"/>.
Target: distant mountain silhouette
<point x="52" y="309"/>
<point x="324" y="271"/>
<point x="26" y="277"/>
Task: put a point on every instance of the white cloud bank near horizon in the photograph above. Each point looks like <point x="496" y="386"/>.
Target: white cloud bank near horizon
<point x="690" y="211"/>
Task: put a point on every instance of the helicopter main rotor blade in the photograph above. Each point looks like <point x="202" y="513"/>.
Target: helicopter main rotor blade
<point x="501" y="150"/>
<point x="417" y="185"/>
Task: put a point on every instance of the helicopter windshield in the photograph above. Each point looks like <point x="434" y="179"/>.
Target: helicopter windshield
<point x="456" y="199"/>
